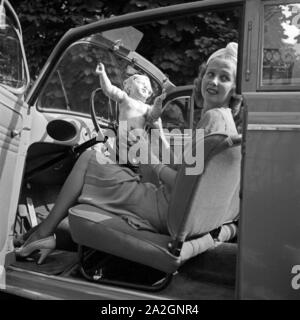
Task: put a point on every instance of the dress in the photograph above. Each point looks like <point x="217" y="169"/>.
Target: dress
<point x="218" y="120"/>
<point x="119" y="190"/>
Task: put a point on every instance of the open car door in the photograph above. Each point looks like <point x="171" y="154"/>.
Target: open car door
<point x="14" y="80"/>
<point x="269" y="225"/>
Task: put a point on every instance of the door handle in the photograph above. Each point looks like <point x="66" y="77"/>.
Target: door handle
<point x="249" y="45"/>
<point x="14" y="133"/>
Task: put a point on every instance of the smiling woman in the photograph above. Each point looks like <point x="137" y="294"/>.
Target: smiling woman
<point x="216" y="88"/>
<point x="117" y="194"/>
<point x="218" y="84"/>
<point x="182" y="237"/>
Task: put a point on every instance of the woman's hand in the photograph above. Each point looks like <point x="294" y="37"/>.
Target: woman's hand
<point x="166" y="175"/>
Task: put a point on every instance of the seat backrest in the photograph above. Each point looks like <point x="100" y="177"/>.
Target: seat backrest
<point x="201" y="203"/>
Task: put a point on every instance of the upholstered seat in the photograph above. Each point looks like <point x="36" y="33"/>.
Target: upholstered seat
<point x="199" y="204"/>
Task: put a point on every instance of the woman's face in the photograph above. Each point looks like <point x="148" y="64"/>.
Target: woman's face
<point x="218" y="83"/>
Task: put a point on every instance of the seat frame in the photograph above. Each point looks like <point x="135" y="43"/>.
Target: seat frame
<point x="83" y="251"/>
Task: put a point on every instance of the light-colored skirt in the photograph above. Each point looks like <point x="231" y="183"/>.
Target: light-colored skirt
<point x="119" y="190"/>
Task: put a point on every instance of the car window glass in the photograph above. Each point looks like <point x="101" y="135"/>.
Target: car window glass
<point x="12" y="72"/>
<point x="176" y="114"/>
<point x="281" y="48"/>
<point x="128" y="68"/>
<point x="74" y="79"/>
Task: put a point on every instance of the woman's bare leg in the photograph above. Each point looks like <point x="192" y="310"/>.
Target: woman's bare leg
<point x="66" y="198"/>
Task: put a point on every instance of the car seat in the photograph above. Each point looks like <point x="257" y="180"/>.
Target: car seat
<point x="199" y="204"/>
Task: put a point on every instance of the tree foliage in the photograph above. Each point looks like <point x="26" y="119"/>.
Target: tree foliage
<point x="176" y="47"/>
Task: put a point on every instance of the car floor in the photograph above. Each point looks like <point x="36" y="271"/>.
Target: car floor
<point x="210" y="276"/>
<point x="57" y="263"/>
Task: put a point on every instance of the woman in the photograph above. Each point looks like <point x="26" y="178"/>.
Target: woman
<point x="215" y="92"/>
<point x="118" y="189"/>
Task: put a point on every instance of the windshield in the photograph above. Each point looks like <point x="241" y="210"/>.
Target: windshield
<point x="74" y="79"/>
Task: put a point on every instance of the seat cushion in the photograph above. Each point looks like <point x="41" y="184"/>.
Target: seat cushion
<point x="110" y="233"/>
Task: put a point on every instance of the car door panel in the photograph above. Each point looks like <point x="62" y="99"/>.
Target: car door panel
<point x="269" y="243"/>
<point x="11" y="124"/>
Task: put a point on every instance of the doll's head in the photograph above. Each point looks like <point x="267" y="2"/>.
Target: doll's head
<point x="138" y="87"/>
<point x="216" y="83"/>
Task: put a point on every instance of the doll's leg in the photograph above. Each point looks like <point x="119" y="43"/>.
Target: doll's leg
<point x="66" y="198"/>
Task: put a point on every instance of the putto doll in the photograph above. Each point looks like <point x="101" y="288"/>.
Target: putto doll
<point x="132" y="100"/>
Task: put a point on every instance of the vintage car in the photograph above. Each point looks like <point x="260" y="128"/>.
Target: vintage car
<point x="45" y="129"/>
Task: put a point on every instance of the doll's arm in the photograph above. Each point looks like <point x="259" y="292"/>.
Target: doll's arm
<point x="154" y="111"/>
<point x="108" y="88"/>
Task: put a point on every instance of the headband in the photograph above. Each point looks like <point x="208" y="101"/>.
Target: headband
<point x="230" y="52"/>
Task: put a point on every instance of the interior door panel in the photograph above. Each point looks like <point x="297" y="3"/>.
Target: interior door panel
<point x="11" y="122"/>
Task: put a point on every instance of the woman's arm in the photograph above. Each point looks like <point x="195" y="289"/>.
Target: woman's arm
<point x="165" y="174"/>
<point x="109" y="90"/>
<point x="168" y="176"/>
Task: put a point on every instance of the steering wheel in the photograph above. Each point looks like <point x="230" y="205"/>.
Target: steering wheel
<point x="108" y="124"/>
<point x="102" y="138"/>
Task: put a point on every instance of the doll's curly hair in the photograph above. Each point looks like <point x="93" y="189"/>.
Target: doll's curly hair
<point x="127" y="84"/>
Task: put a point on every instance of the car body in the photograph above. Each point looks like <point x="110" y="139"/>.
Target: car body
<point x="265" y="262"/>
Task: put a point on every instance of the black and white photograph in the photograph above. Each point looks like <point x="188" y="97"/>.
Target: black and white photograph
<point x="149" y="150"/>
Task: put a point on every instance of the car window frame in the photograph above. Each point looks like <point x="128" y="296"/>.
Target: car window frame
<point x="121" y="54"/>
<point x="259" y="86"/>
<point x="16" y="26"/>
<point x="65" y="111"/>
<point x="188" y="109"/>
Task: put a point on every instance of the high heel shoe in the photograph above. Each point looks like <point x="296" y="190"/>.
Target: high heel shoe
<point x="20" y="239"/>
<point x="44" y="246"/>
